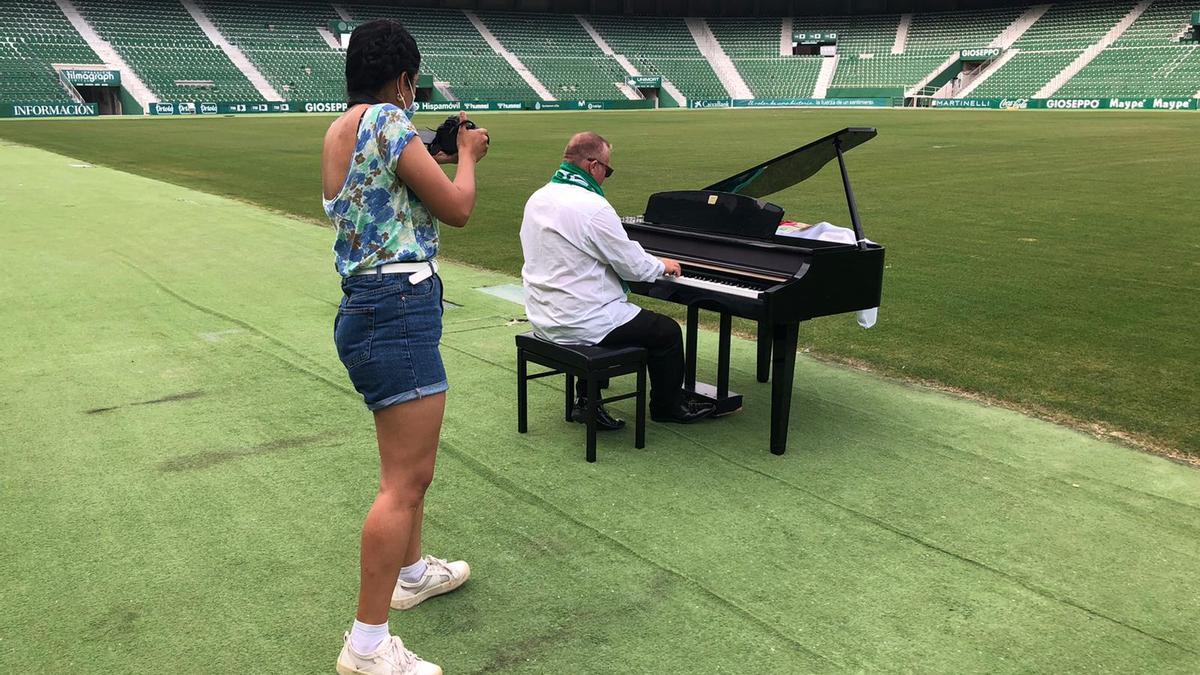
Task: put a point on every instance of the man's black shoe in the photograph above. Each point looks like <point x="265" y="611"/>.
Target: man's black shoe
<point x="604" y="421"/>
<point x="686" y="412"/>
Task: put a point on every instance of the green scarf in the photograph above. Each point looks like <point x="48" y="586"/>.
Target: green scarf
<point x="570" y="174"/>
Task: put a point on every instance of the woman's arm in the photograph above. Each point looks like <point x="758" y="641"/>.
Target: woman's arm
<point x="449" y="201"/>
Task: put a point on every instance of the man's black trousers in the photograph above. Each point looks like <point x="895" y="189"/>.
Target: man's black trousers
<point x="663" y="341"/>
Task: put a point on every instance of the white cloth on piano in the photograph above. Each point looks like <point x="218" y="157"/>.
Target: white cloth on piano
<point x="576" y="254"/>
<point x="824" y="231"/>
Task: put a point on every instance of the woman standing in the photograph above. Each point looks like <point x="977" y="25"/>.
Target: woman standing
<point x="385" y="195"/>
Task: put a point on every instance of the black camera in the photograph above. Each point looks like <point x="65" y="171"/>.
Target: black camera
<point x="445" y="137"/>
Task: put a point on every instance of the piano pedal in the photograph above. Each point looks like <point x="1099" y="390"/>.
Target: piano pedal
<point x="729" y="404"/>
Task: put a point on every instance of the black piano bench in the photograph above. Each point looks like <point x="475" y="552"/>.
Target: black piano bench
<point x="592" y="364"/>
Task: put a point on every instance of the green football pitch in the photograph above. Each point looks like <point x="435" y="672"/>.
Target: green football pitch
<point x="184" y="466"/>
<point x="1047" y="260"/>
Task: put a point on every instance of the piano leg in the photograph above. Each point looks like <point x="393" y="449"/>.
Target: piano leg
<point x="570" y="397"/>
<point x="522" y="392"/>
<point x="764" y="351"/>
<point x="593" y="404"/>
<point x="723" y="355"/>
<point x="689" y="363"/>
<point x="726" y="401"/>
<point x="783" y="360"/>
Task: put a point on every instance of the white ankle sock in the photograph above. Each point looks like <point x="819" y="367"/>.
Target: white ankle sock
<point x="413" y="573"/>
<point x="365" y="638"/>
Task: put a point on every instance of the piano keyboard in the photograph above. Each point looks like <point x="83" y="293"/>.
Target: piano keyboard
<point x="714" y="286"/>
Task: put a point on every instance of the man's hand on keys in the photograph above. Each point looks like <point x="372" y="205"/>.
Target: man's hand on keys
<point x="671" y="268"/>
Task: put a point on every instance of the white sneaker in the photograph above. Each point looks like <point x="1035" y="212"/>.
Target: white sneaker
<point x="390" y="659"/>
<point x="440" y="577"/>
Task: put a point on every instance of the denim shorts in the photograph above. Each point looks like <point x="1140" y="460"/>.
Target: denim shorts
<point x="387" y="332"/>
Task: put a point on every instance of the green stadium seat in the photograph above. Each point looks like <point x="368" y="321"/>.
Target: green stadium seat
<point x="168" y="50"/>
<point x="34" y="34"/>
<point x="753" y="46"/>
<point x="663" y="47"/>
<point x="559" y="53"/>
<point x="452" y="51"/>
<point x="280" y="38"/>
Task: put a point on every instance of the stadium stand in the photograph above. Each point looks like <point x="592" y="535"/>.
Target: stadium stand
<point x="662" y="46"/>
<point x="1051" y="44"/>
<point x="865" y="45"/>
<point x="559" y="52"/>
<point x="1025" y="74"/>
<point x="946" y="32"/>
<point x="856" y="34"/>
<point x="163" y="45"/>
<point x="1146" y="61"/>
<point x="280" y="38"/>
<point x="885" y="70"/>
<point x="453" y="51"/>
<point x="753" y="46"/>
<point x="34" y="34"/>
<point x="168" y="50"/>
<point x="1073" y="25"/>
<point x="1138" y="72"/>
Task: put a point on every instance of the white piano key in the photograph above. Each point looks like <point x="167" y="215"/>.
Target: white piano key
<point x="714" y="286"/>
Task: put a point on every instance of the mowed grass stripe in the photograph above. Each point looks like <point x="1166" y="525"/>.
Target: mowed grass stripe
<point x="1046" y="260"/>
<point x="202" y="533"/>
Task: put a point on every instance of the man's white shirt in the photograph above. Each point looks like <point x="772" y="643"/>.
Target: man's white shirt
<point x="576" y="254"/>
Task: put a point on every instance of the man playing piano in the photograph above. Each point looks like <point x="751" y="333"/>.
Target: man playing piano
<point x="576" y="256"/>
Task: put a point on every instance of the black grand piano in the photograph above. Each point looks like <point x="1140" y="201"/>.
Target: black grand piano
<point x="734" y="263"/>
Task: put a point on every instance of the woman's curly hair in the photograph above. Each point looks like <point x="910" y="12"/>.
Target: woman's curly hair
<point x="380" y="51"/>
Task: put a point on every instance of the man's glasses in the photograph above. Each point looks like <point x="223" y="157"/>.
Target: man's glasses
<point x="608" y="170"/>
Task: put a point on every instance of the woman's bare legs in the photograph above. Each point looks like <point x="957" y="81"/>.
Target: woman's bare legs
<point x="408" y="438"/>
<point x="414" y="537"/>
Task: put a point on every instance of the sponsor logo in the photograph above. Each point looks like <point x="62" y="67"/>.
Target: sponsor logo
<point x="809" y="103"/>
<point x="591" y="106"/>
<point x="164" y="108"/>
<point x="1167" y="104"/>
<point x="187" y="108"/>
<point x="712" y="104"/>
<point x="509" y="106"/>
<point x="325" y="107"/>
<point x="1126" y="104"/>
<point x="982" y="53"/>
<point x="961" y="103"/>
<point x="1073" y="103"/>
<point x="209" y="109"/>
<point x="1014" y="103"/>
<point x="55" y="110"/>
<point x="440" y="106"/>
<point x="92" y="77"/>
<point x="474" y="105"/>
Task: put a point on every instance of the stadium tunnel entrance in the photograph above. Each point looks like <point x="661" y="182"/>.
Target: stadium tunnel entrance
<point x="95" y="84"/>
<point x="107" y="99"/>
<point x="648" y="87"/>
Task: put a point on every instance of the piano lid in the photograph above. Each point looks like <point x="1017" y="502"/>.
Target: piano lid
<point x="793" y="167"/>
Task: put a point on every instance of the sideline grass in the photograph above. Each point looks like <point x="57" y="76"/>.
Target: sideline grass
<point x="184" y="472"/>
<point x="1047" y="259"/>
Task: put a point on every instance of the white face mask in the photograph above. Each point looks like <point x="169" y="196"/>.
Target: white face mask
<point x="412" y="107"/>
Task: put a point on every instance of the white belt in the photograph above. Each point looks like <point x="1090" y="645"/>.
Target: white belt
<point x="417" y="271"/>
